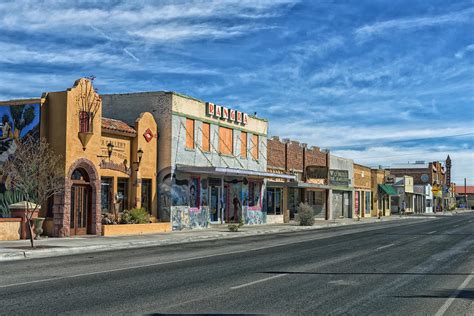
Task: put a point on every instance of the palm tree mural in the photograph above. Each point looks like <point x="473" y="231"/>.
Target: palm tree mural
<point x="22" y="116"/>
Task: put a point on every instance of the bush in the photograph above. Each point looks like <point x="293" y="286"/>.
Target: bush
<point x="305" y="215"/>
<point x="233" y="227"/>
<point x="135" y="216"/>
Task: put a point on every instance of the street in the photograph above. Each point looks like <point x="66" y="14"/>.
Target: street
<point x="423" y="267"/>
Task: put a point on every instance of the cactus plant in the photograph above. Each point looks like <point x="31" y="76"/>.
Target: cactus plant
<point x="8" y="198"/>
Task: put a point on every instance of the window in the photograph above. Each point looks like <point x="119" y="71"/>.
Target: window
<point x="146" y="194"/>
<point x="85" y="122"/>
<point x="206" y="137"/>
<point x="254" y="193"/>
<point x="367" y="202"/>
<point x="122" y="190"/>
<point x="226" y="141"/>
<point x="274" y="201"/>
<point x="254" y="150"/>
<point x="106" y="192"/>
<point x="189" y="134"/>
<point x="243" y="144"/>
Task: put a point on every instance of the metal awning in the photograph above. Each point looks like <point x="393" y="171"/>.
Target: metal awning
<point x="220" y="171"/>
<point x="298" y="185"/>
<point x="388" y="189"/>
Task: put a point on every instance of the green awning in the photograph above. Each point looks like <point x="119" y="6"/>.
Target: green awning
<point x="388" y="189"/>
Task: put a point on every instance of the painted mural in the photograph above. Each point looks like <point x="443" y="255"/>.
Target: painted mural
<point x="16" y="122"/>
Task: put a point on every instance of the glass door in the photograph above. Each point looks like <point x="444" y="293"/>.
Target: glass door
<point x="214" y="203"/>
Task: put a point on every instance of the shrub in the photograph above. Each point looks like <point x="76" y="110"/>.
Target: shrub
<point x="8" y="198"/>
<point x="233" y="227"/>
<point x="135" y="216"/>
<point x="305" y="215"/>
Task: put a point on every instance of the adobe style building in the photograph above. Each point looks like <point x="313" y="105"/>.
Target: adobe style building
<point x="212" y="162"/>
<point x="108" y="165"/>
<point x="309" y="169"/>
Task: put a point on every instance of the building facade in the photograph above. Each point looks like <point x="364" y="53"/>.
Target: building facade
<point x="212" y="166"/>
<point x="363" y="191"/>
<point x="341" y="184"/>
<point x="108" y="165"/>
<point x="381" y="192"/>
<point x="309" y="168"/>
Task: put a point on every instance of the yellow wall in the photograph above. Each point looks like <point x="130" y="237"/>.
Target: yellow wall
<point x="60" y="126"/>
<point x="9" y="229"/>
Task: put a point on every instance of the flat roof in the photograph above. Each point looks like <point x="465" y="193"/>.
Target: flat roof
<point x="22" y="101"/>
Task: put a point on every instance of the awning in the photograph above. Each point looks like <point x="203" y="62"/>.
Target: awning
<point x="298" y="185"/>
<point x="388" y="189"/>
<point x="219" y="171"/>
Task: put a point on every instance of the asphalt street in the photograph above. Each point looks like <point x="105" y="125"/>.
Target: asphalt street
<point x="412" y="267"/>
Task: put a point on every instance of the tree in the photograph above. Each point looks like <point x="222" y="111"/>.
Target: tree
<point x="34" y="170"/>
<point x="22" y="116"/>
<point x="88" y="101"/>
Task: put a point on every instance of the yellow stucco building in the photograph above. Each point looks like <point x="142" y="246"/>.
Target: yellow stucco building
<point x="108" y="165"/>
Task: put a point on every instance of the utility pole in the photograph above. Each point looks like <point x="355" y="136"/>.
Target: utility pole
<point x="465" y="193"/>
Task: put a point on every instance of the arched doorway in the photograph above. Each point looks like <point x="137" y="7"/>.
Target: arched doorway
<point x="81" y="203"/>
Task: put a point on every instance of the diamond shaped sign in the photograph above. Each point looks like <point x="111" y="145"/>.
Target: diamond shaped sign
<point x="148" y="135"/>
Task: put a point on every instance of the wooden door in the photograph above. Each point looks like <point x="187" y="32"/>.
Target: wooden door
<point x="80" y="209"/>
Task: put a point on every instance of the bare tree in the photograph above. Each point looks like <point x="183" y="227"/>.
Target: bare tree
<point x="34" y="170"/>
<point x="88" y="101"/>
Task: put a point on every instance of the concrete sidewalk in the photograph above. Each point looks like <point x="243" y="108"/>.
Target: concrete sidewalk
<point x="52" y="247"/>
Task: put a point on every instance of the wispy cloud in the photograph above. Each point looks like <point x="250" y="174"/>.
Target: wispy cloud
<point x="367" y="31"/>
<point x="464" y="51"/>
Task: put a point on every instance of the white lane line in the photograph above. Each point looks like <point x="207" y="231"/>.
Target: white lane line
<point x="453" y="296"/>
<point x="386" y="246"/>
<point x="434" y="231"/>
<point x="258" y="281"/>
<point x="456" y="225"/>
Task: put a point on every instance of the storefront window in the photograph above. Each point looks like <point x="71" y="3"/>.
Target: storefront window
<point x="106" y="193"/>
<point x="146" y="194"/>
<point x="367" y="202"/>
<point x="194" y="192"/>
<point x="122" y="191"/>
<point x="274" y="201"/>
<point x="254" y="193"/>
<point x="85" y="122"/>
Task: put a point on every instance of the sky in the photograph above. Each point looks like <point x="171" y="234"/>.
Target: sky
<point x="381" y="82"/>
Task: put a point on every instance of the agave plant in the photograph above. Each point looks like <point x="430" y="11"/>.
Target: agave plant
<point x="8" y="198"/>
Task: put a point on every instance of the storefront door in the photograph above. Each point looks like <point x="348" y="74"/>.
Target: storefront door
<point x="80" y="209"/>
<point x="214" y="203"/>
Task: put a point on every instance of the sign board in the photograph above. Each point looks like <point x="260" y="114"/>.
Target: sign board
<point x="435" y="190"/>
<point x="339" y="177"/>
<point x="226" y="114"/>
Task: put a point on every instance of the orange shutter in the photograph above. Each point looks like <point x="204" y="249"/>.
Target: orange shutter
<point x="254" y="146"/>
<point x="225" y="141"/>
<point x="189" y="134"/>
<point x="206" y="133"/>
<point x="243" y="144"/>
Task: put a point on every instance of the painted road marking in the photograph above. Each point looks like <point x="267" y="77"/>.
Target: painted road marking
<point x="434" y="231"/>
<point x="258" y="281"/>
<point x="456" y="225"/>
<point x="454" y="295"/>
<point x="386" y="246"/>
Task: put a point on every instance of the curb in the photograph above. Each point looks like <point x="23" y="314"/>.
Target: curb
<point x="16" y="254"/>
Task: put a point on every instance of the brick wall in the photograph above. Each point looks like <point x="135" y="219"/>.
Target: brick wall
<point x="362" y="177"/>
<point x="295" y="156"/>
<point x="314" y="157"/>
<point x="276" y="153"/>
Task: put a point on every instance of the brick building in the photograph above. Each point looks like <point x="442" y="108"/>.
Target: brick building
<point x="363" y="191"/>
<point x="310" y="167"/>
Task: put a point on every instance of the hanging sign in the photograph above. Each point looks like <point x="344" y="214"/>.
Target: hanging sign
<point x="226" y="114"/>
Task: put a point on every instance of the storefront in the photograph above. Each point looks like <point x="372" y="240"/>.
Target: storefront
<point x="109" y="166"/>
<point x="212" y="166"/>
<point x="362" y="193"/>
<point x="341" y="180"/>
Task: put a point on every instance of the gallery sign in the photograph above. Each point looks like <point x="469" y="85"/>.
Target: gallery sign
<point x="339" y="177"/>
<point x="226" y="114"/>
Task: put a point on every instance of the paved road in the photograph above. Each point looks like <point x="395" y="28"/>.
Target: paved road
<point x="393" y="268"/>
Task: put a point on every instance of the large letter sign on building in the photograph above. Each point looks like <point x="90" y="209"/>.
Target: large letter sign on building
<point x="226" y="114"/>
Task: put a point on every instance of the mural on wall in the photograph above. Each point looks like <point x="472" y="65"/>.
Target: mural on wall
<point x="165" y="198"/>
<point x="16" y="122"/>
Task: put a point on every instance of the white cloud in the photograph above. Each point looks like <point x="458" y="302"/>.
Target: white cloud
<point x="367" y="31"/>
<point x="462" y="52"/>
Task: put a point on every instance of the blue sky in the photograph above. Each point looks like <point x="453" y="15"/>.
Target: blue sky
<point x="377" y="81"/>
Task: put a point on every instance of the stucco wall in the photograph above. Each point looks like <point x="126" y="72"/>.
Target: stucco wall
<point x="339" y="163"/>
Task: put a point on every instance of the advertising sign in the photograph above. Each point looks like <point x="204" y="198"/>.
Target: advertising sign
<point x="226" y="114"/>
<point x="339" y="177"/>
